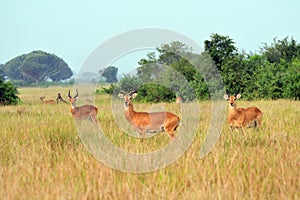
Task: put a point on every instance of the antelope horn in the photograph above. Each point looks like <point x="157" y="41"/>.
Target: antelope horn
<point x="132" y="92"/>
<point x="69" y="94"/>
<point x="76" y="94"/>
<point x="122" y="92"/>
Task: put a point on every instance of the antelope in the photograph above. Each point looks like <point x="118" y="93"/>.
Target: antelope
<point x="148" y="122"/>
<point x="50" y="101"/>
<point x="59" y="98"/>
<point x="242" y="117"/>
<point x="178" y="100"/>
<point x="82" y="112"/>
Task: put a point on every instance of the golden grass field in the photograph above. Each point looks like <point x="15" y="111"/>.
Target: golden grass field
<point x="42" y="156"/>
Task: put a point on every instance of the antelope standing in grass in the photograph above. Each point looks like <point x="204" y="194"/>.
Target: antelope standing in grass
<point x="82" y="112"/>
<point x="242" y="117"/>
<point x="50" y="101"/>
<point x="149" y="122"/>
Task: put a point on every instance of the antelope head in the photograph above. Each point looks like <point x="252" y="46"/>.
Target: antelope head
<point x="128" y="98"/>
<point x="231" y="99"/>
<point x="73" y="99"/>
<point x="42" y="98"/>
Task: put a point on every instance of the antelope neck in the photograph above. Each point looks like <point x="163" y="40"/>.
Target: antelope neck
<point x="129" y="110"/>
<point x="73" y="105"/>
<point x="232" y="108"/>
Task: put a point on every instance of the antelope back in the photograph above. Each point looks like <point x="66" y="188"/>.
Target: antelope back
<point x="84" y="111"/>
<point x="253" y="113"/>
<point x="50" y="101"/>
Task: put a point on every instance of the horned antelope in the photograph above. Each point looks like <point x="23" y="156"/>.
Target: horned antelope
<point x="242" y="117"/>
<point x="149" y="122"/>
<point x="82" y="112"/>
<point x="50" y="101"/>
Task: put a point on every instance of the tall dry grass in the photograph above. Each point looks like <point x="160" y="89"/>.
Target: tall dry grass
<point x="42" y="157"/>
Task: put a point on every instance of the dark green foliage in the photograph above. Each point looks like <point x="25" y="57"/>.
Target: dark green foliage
<point x="113" y="88"/>
<point x="170" y="53"/>
<point x="221" y="48"/>
<point x="1" y="72"/>
<point x="155" y="93"/>
<point x="35" y="67"/>
<point x="110" y="74"/>
<point x="291" y="80"/>
<point x="281" y="49"/>
<point x="8" y="94"/>
<point x="272" y="74"/>
<point x="128" y="83"/>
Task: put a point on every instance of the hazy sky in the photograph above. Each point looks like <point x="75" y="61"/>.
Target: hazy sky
<point x="72" y="30"/>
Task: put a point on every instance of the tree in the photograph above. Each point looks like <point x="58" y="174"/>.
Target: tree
<point x="234" y="74"/>
<point x="35" y="67"/>
<point x="281" y="49"/>
<point x="169" y="53"/>
<point x="128" y="83"/>
<point x="13" y="71"/>
<point x="220" y="48"/>
<point x="110" y="74"/>
<point x="149" y="67"/>
<point x="291" y="80"/>
<point x="171" y="68"/>
<point x="8" y="94"/>
<point x="1" y="72"/>
<point x="254" y="65"/>
<point x="272" y="74"/>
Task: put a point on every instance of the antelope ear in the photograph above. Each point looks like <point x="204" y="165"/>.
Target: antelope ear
<point x="238" y="96"/>
<point x="121" y="95"/>
<point x="226" y="97"/>
<point x="134" y="95"/>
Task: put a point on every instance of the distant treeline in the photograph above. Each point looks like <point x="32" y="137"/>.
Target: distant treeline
<point x="271" y="73"/>
<point x="175" y="70"/>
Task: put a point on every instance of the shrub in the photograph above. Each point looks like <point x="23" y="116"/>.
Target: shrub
<point x="8" y="94"/>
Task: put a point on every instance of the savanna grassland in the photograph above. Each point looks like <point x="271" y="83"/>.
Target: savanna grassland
<point x="42" y="156"/>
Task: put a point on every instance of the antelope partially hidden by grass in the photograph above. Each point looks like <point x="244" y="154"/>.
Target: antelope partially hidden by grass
<point x="50" y="101"/>
<point x="242" y="117"/>
<point x="145" y="122"/>
<point x="179" y="100"/>
<point x="82" y="112"/>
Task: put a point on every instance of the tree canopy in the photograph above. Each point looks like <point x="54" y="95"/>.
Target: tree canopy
<point x="1" y="72"/>
<point x="272" y="73"/>
<point x="35" y="67"/>
<point x="110" y="74"/>
<point x="8" y="93"/>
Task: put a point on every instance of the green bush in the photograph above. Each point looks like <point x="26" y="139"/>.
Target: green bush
<point x="8" y="94"/>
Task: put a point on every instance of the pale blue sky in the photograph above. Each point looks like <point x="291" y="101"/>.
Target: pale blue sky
<point x="72" y="30"/>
